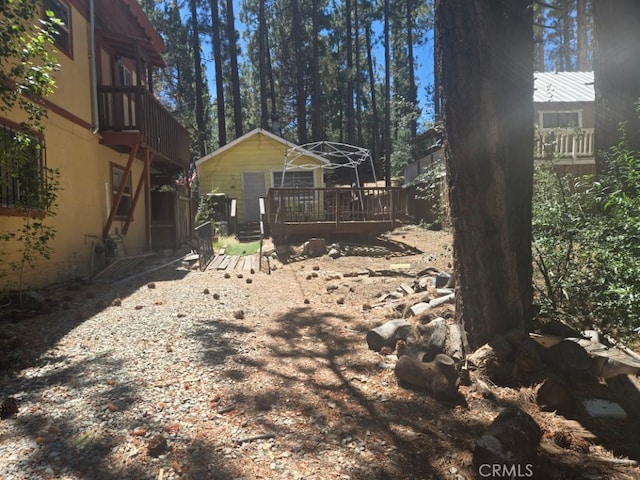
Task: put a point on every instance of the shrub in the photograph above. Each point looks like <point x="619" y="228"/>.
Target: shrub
<point x="586" y="256"/>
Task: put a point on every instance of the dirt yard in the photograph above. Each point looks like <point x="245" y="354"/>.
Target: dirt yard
<point x="264" y="376"/>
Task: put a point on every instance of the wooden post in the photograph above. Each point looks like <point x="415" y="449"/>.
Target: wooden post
<point x="147" y="194"/>
<point x="123" y="182"/>
<point x="136" y="195"/>
<point x="336" y="206"/>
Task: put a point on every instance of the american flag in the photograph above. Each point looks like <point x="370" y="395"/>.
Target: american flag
<point x="192" y="176"/>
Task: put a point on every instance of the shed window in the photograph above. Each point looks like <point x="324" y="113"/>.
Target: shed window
<point x="21" y="162"/>
<point x="124" y="207"/>
<point x="62" y="33"/>
<point x="302" y="179"/>
<point x="561" y="119"/>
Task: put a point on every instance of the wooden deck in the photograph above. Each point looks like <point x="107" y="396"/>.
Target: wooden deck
<point x="234" y="262"/>
<point x="317" y="211"/>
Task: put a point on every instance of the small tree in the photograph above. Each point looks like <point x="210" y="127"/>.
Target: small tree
<point x="27" y="66"/>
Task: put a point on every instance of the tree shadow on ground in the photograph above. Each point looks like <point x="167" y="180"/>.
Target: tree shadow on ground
<point x="24" y="340"/>
<point x="382" y="436"/>
<point x="100" y="451"/>
<point x="322" y="399"/>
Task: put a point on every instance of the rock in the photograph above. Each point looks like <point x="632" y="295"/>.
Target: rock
<point x="238" y="314"/>
<point x="334" y="253"/>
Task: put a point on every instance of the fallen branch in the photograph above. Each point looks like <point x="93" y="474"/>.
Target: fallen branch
<point x="227" y="409"/>
<point x="262" y="436"/>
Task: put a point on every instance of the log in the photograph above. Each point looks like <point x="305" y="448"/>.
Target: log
<point x="422" y="307"/>
<point x="486" y="362"/>
<point x="511" y="442"/>
<point x="387" y="334"/>
<point x="528" y="363"/>
<point x="569" y="359"/>
<point x="454" y="346"/>
<point x="609" y="362"/>
<point x="433" y="337"/>
<point x="437" y="377"/>
<point x="626" y="391"/>
<point x="554" y="395"/>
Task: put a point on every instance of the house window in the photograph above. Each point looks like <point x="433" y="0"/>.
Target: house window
<point x="124" y="207"/>
<point x="125" y="76"/>
<point x="561" y="119"/>
<point x="21" y="161"/>
<point x="62" y="33"/>
<point x="303" y="179"/>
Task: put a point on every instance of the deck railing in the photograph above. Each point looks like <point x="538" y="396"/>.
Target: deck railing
<point x="204" y="236"/>
<point x="571" y="143"/>
<point x="130" y="108"/>
<point x="335" y="205"/>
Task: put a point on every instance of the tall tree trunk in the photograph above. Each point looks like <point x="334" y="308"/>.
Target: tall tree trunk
<point x="538" y="33"/>
<point x="197" y="68"/>
<point x="583" y="47"/>
<point x="262" y="67"/>
<point x="217" y="58"/>
<point x="387" y="95"/>
<point x="349" y="93"/>
<point x="235" y="77"/>
<point x="275" y="118"/>
<point x="616" y="68"/>
<point x="374" y="100"/>
<point x="301" y="97"/>
<point x="316" y="92"/>
<point x="567" y="52"/>
<point x="358" y="74"/>
<point x="413" y="93"/>
<point x="488" y="112"/>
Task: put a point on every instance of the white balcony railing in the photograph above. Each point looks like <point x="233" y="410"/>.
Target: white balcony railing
<point x="564" y="143"/>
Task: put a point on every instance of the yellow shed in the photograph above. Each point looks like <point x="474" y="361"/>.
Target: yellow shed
<point x="248" y="166"/>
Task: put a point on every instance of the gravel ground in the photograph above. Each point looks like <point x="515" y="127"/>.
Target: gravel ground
<point x="188" y="374"/>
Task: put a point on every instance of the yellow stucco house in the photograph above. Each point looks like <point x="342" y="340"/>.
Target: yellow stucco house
<point x="112" y="141"/>
<point x="248" y="166"/>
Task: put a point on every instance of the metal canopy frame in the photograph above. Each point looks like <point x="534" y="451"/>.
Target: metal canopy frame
<point x="336" y="154"/>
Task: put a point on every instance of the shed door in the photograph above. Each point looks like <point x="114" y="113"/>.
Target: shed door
<point x="254" y="187"/>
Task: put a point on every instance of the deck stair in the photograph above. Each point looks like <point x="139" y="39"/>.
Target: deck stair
<point x="248" y="232"/>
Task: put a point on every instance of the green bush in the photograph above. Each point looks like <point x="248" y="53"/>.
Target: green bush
<point x="585" y="247"/>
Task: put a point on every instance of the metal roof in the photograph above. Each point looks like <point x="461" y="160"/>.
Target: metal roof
<point x="563" y="87"/>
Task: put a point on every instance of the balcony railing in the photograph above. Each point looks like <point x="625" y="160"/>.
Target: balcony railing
<point x="563" y="143"/>
<point x="131" y="109"/>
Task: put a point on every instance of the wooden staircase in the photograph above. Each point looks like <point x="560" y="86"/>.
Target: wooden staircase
<point x="248" y="232"/>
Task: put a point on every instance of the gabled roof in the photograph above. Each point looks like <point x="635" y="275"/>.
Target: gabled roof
<point x="252" y="133"/>
<point x="563" y="87"/>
